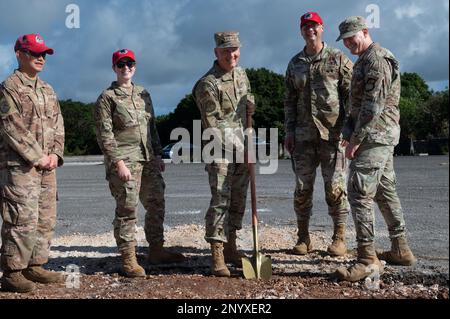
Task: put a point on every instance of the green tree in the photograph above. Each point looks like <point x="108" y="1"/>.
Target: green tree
<point x="268" y="88"/>
<point x="434" y="117"/>
<point x="414" y="93"/>
<point x="79" y="128"/>
<point x="423" y="113"/>
<point x="413" y="86"/>
<point x="183" y="116"/>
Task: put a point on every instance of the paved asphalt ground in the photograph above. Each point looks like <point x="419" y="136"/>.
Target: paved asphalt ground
<point x="86" y="206"/>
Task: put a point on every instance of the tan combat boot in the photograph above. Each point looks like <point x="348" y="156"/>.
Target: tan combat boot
<point x="131" y="267"/>
<point x="218" y="267"/>
<point x="400" y="253"/>
<point x="157" y="254"/>
<point x="337" y="247"/>
<point x="14" y="281"/>
<point x="367" y="264"/>
<point x="38" y="274"/>
<point x="303" y="245"/>
<point x="230" y="251"/>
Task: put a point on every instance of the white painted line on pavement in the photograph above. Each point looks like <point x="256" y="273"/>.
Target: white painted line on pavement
<point x="186" y="212"/>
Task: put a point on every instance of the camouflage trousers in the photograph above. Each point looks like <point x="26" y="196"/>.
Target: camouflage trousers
<point x="372" y="178"/>
<point x="146" y="185"/>
<point x="28" y="209"/>
<point x="331" y="158"/>
<point x="229" y="185"/>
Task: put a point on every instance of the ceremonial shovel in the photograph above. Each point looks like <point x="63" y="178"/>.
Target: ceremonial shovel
<point x="258" y="266"/>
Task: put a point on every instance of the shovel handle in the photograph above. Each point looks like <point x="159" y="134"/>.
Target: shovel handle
<point x="251" y="169"/>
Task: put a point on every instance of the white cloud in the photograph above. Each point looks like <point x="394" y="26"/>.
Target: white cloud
<point x="410" y="11"/>
<point x="173" y="40"/>
<point x="7" y="60"/>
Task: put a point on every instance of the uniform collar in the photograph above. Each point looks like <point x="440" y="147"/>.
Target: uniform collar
<point x="371" y="47"/>
<point x="27" y="81"/>
<point x="319" y="56"/>
<point x="225" y="76"/>
<point x="122" y="91"/>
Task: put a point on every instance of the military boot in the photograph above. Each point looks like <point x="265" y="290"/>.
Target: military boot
<point x="303" y="245"/>
<point x="400" y="253"/>
<point x="38" y="274"/>
<point x="338" y="247"/>
<point x="218" y="267"/>
<point x="131" y="267"/>
<point x="14" y="281"/>
<point x="230" y="251"/>
<point x="366" y="265"/>
<point x="157" y="254"/>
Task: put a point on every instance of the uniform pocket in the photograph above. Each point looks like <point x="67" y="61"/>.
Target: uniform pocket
<point x="365" y="181"/>
<point x="227" y="105"/>
<point x="131" y="195"/>
<point x="124" y="116"/>
<point x="13" y="201"/>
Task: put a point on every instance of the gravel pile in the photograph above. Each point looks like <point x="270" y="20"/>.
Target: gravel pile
<point x="98" y="262"/>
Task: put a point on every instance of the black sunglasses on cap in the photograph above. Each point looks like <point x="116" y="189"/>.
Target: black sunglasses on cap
<point x="35" y="54"/>
<point x="129" y="64"/>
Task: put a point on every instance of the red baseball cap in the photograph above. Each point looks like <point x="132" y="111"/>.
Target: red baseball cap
<point x="32" y="42"/>
<point x="124" y="53"/>
<point x="310" y="16"/>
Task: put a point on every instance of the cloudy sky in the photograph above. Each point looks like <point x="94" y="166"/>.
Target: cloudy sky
<point x="173" y="39"/>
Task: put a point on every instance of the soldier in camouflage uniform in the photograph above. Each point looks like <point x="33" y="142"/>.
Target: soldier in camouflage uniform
<point x="221" y="96"/>
<point x="317" y="88"/>
<point x="31" y="147"/>
<point x="127" y="135"/>
<point x="370" y="135"/>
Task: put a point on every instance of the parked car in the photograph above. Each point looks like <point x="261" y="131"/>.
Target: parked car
<point x="184" y="151"/>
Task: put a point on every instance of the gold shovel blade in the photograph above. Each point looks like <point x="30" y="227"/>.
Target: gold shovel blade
<point x="257" y="268"/>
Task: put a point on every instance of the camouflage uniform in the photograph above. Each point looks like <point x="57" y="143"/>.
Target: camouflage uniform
<point x="374" y="125"/>
<point x="31" y="126"/>
<point x="221" y="99"/>
<point x="317" y="91"/>
<point x="126" y="130"/>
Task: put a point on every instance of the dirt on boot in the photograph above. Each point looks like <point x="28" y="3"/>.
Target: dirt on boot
<point x="14" y="281"/>
<point x="131" y="267"/>
<point x="338" y="247"/>
<point x="41" y="275"/>
<point x="218" y="267"/>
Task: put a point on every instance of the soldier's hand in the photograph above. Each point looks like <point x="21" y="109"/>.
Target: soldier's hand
<point x="161" y="164"/>
<point x="350" y="151"/>
<point x="123" y="171"/>
<point x="251" y="107"/>
<point x="289" y="143"/>
<point x="53" y="161"/>
<point x="43" y="163"/>
<point x="344" y="143"/>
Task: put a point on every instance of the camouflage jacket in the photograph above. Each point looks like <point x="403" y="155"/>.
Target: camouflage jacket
<point x="221" y="98"/>
<point x="31" y="124"/>
<point x="316" y="98"/>
<point x="125" y="125"/>
<point x="374" y="98"/>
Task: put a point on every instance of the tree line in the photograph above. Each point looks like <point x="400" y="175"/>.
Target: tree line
<point x="424" y="113"/>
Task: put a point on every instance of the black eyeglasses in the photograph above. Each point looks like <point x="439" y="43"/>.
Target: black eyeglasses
<point x="35" y="54"/>
<point x="129" y="64"/>
<point x="313" y="26"/>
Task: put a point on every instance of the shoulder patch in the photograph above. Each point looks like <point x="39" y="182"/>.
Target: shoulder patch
<point x="4" y="105"/>
<point x="370" y="84"/>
